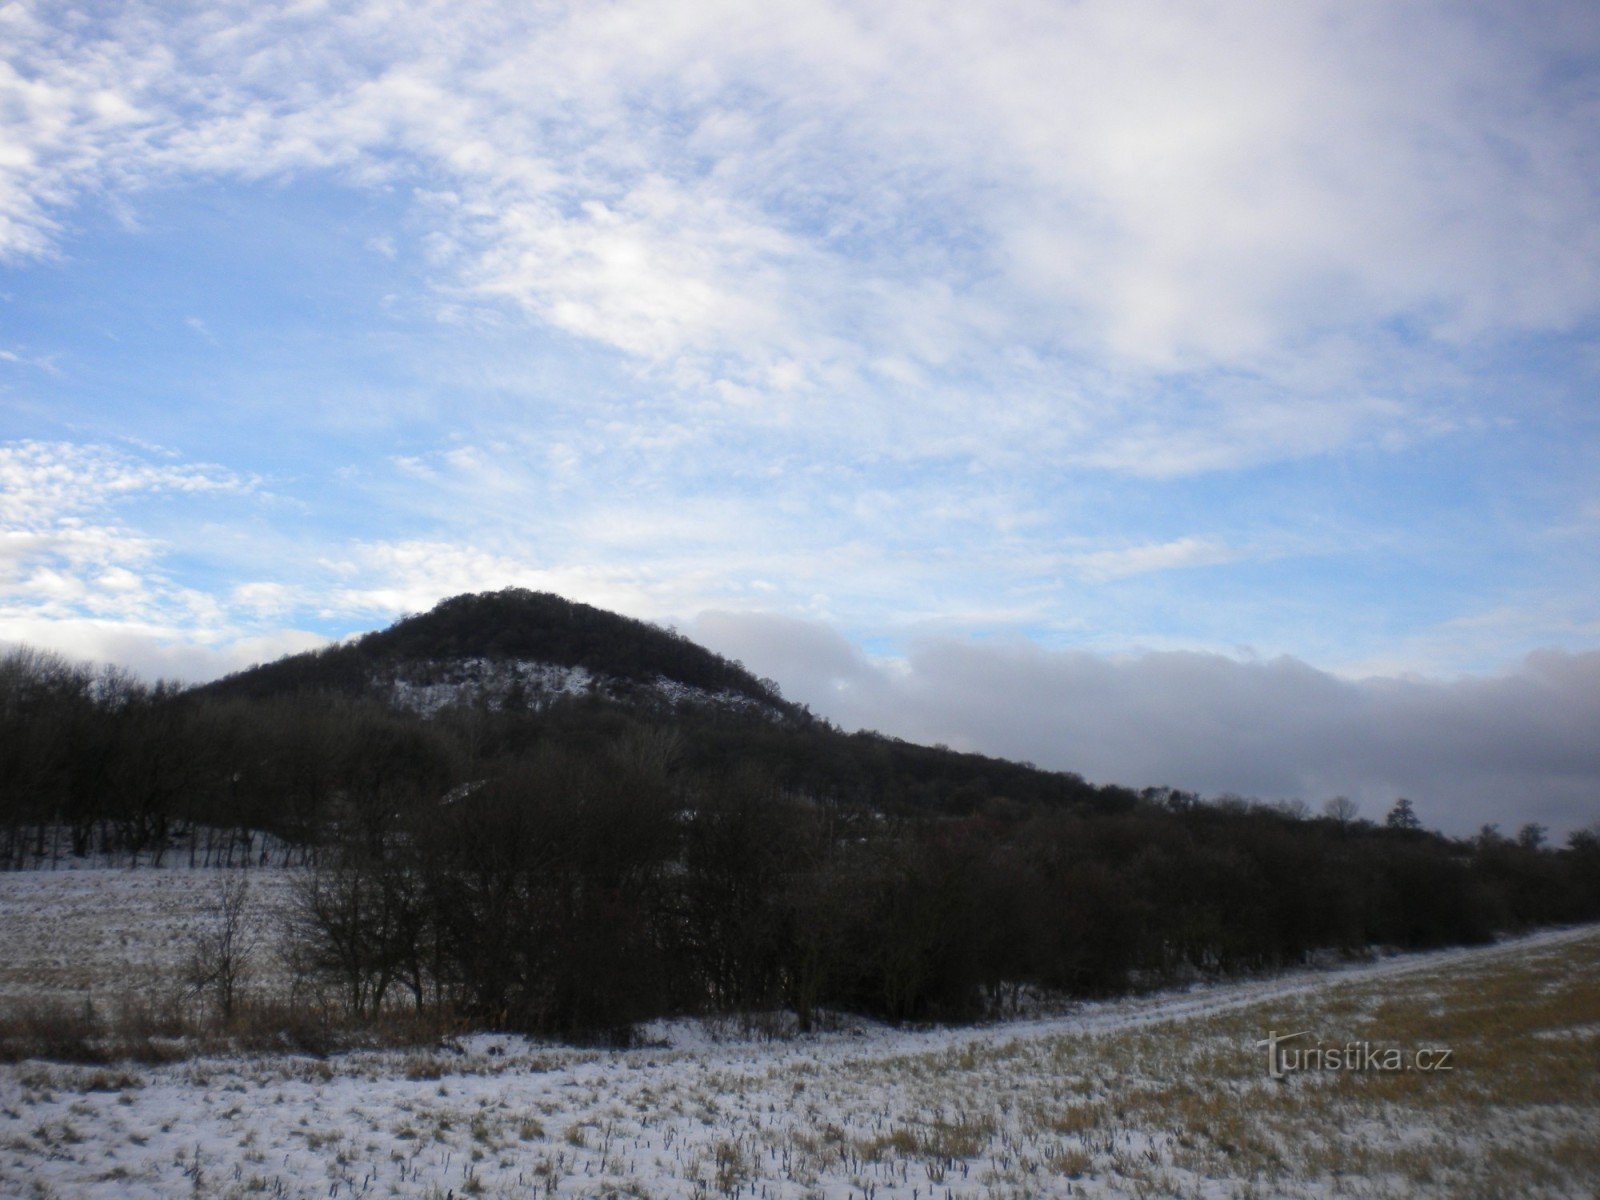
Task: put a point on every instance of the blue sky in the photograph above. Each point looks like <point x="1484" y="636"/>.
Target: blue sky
<point x="912" y="352"/>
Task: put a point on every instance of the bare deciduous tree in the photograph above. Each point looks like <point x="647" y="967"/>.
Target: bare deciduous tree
<point x="1342" y="810"/>
<point x="224" y="947"/>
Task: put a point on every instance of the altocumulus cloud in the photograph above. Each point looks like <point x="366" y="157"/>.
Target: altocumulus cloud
<point x="1507" y="748"/>
<point x="807" y="208"/>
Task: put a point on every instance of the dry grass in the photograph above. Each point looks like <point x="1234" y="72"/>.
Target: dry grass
<point x="1181" y="1107"/>
<point x="122" y="931"/>
<point x="1188" y="1107"/>
<point x="135" y="1027"/>
<point x="1519" y="1113"/>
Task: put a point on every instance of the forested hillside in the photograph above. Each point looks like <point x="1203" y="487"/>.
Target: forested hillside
<point x="608" y="855"/>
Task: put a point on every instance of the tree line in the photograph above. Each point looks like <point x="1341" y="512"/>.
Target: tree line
<point x="580" y="869"/>
<point x="580" y="893"/>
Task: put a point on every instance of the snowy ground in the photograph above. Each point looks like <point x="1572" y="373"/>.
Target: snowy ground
<point x="1164" y="1095"/>
<point x="69" y="934"/>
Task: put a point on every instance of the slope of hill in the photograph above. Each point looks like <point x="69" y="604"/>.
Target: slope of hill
<point x="518" y="649"/>
<point x="571" y="672"/>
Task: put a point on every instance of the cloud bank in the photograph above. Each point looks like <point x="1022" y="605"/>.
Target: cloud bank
<point x="1514" y="747"/>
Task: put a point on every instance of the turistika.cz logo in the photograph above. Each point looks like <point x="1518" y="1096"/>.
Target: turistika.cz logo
<point x="1284" y="1060"/>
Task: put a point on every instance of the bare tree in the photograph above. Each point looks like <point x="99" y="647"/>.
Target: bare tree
<point x="1342" y="810"/>
<point x="223" y="949"/>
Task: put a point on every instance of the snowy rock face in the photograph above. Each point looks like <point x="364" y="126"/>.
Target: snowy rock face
<point x="427" y="687"/>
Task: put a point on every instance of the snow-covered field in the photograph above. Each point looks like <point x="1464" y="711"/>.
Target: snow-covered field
<point x="1163" y="1095"/>
<point x="69" y="934"/>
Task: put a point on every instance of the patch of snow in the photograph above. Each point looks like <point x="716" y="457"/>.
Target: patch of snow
<point x="430" y="686"/>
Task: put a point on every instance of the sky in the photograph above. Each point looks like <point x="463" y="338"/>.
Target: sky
<point x="1196" y="395"/>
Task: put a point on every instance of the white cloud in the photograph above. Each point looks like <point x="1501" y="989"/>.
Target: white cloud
<point x="790" y="204"/>
<point x="66" y="555"/>
<point x="266" y="598"/>
<point x="1102" y="565"/>
<point x="392" y="579"/>
<point x="73" y="122"/>
<point x="154" y="651"/>
<point x="45" y="363"/>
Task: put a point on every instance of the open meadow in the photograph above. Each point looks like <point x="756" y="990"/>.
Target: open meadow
<point x="1167" y="1094"/>
<point x="114" y="932"/>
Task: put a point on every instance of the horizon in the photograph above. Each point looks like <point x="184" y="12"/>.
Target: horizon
<point x="1182" y="397"/>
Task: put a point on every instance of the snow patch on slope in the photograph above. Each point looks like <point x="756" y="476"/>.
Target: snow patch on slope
<point x="429" y="686"/>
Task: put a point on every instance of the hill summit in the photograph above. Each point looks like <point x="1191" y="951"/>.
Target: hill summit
<point x="515" y="648"/>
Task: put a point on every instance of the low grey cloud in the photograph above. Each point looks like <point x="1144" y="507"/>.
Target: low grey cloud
<point x="1507" y="748"/>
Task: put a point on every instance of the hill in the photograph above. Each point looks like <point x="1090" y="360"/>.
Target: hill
<point x="514" y="648"/>
<point x="541" y="666"/>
